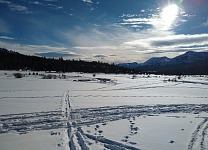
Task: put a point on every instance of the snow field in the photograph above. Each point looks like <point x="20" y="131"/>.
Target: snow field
<point x="103" y="112"/>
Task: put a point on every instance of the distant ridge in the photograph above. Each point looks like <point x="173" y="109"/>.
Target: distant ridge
<point x="188" y="63"/>
<point x="130" y="65"/>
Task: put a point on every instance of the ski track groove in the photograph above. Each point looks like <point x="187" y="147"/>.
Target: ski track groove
<point x="199" y="134"/>
<point x="107" y="142"/>
<point x="204" y="134"/>
<point x="138" y="96"/>
<point x="30" y="97"/>
<point x="66" y="108"/>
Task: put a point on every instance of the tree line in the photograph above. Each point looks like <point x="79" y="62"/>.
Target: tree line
<point x="11" y="60"/>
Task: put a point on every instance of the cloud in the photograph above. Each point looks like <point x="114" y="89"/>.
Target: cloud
<point x="41" y="50"/>
<point x="46" y="4"/>
<point x="15" y="7"/>
<point x="205" y="24"/>
<point x="6" y="38"/>
<point x="181" y="40"/>
<point x="110" y="47"/>
<point x="171" y="43"/>
<point x="36" y="3"/>
<point x="159" y="19"/>
<point x="52" y="6"/>
<point x="138" y="21"/>
<point x="87" y="1"/>
<point x="153" y="22"/>
<point x="128" y="45"/>
<point x="46" y="48"/>
<point x="100" y="55"/>
<point x="104" y="37"/>
<point x="128" y="15"/>
<point x="56" y="54"/>
<point x="110" y="41"/>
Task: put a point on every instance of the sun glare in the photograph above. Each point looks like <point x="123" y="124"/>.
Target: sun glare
<point x="169" y="14"/>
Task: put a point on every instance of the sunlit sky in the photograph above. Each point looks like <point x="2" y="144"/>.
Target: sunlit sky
<point x="105" y="30"/>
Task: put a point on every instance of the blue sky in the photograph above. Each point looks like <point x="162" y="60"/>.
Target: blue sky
<point x="104" y="30"/>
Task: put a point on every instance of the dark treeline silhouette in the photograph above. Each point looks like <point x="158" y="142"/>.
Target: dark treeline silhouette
<point x="10" y="60"/>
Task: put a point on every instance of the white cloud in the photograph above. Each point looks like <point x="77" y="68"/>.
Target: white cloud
<point x="171" y="43"/>
<point x="36" y="3"/>
<point x="46" y="4"/>
<point x="36" y="49"/>
<point x="53" y="6"/>
<point x="159" y="19"/>
<point x="110" y="41"/>
<point x="128" y="45"/>
<point x="100" y="56"/>
<point x="128" y="15"/>
<point x="15" y="7"/>
<point x="46" y="48"/>
<point x="155" y="22"/>
<point x="87" y="1"/>
<point x="137" y="21"/>
<point x="182" y="40"/>
<point x="6" y="38"/>
<point x="205" y="24"/>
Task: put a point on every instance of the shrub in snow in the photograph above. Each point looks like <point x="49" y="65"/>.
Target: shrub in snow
<point x="100" y="131"/>
<point x="49" y="76"/>
<point x="63" y="76"/>
<point x="171" y="141"/>
<point x="134" y="77"/>
<point x="18" y="75"/>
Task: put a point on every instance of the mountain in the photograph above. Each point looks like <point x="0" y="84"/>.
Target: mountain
<point x="132" y="65"/>
<point x="187" y="63"/>
<point x="190" y="57"/>
<point x="156" y="61"/>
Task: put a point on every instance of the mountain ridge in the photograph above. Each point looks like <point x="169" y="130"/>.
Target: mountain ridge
<point x="156" y="61"/>
<point x="188" y="63"/>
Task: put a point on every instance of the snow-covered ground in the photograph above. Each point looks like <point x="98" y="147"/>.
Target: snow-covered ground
<point x="105" y="111"/>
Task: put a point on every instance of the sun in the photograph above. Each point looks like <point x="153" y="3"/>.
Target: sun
<point x="169" y="15"/>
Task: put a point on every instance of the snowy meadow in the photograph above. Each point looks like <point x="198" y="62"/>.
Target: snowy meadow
<point x="103" y="111"/>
